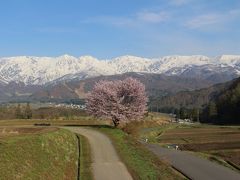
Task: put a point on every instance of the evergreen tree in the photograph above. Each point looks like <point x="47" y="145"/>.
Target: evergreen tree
<point x="228" y="105"/>
<point x="183" y="113"/>
<point x="177" y="113"/>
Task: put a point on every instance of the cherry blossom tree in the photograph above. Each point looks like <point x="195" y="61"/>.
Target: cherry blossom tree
<point x="121" y="100"/>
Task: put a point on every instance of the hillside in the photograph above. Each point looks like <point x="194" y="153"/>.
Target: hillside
<point x="191" y="99"/>
<point x="228" y="104"/>
<point x="17" y="91"/>
<point x="38" y="153"/>
<point x="197" y="98"/>
<point x="218" y="104"/>
<point x="171" y="91"/>
<point x="156" y="86"/>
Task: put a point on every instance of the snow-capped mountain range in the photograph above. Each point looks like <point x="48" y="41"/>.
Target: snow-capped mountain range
<point x="41" y="70"/>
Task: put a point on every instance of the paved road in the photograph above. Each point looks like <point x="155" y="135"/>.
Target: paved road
<point x="106" y="164"/>
<point x="192" y="166"/>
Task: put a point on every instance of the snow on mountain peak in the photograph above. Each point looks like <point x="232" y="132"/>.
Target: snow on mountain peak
<point x="128" y="63"/>
<point x="66" y="56"/>
<point x="40" y="70"/>
<point x="228" y="59"/>
<point x="166" y="63"/>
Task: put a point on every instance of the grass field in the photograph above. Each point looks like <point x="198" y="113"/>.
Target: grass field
<point x="217" y="142"/>
<point x="38" y="153"/>
<point x="140" y="162"/>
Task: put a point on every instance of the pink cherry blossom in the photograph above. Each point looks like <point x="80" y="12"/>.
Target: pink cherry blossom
<point x="121" y="100"/>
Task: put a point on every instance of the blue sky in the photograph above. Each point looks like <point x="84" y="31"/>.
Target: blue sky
<point x="110" y="28"/>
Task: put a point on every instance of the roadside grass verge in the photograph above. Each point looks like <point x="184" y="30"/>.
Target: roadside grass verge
<point x="51" y="155"/>
<point x="85" y="159"/>
<point x="141" y="163"/>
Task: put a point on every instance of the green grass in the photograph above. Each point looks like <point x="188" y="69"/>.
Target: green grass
<point x="51" y="155"/>
<point x="85" y="159"/>
<point x="141" y="163"/>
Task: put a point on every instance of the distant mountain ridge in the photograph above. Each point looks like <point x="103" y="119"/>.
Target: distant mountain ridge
<point x="157" y="85"/>
<point x="198" y="98"/>
<point x="162" y="90"/>
<point x="41" y="70"/>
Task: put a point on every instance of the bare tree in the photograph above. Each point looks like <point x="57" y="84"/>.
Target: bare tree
<point x="18" y="112"/>
<point x="28" y="112"/>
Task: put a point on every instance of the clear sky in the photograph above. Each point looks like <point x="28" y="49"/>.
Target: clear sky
<point x="110" y="28"/>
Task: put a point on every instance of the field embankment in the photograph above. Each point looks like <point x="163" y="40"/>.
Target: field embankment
<point x="38" y="153"/>
<point x="85" y="159"/>
<point x="52" y="122"/>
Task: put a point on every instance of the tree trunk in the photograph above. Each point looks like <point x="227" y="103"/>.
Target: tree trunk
<point x="115" y="121"/>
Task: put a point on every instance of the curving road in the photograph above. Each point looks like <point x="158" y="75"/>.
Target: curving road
<point x="192" y="166"/>
<point x="106" y="164"/>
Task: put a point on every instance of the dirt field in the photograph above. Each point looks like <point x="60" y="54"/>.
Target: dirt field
<point x="223" y="142"/>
